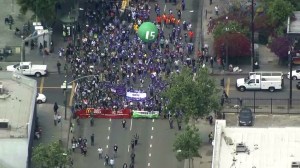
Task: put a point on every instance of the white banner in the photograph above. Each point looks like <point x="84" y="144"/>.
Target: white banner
<point x="137" y="96"/>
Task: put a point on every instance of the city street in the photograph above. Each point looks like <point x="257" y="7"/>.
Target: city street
<point x="154" y="147"/>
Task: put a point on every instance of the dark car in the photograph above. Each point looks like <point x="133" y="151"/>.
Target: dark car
<point x="298" y="85"/>
<point x="245" y="117"/>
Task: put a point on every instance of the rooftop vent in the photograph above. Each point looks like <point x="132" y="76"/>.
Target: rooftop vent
<point x="241" y="148"/>
<point x="295" y="164"/>
<point x="3" y="123"/>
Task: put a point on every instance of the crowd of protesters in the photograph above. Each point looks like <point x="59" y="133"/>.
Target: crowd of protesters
<point x="108" y="48"/>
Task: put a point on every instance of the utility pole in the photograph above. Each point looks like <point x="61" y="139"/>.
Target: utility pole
<point x="252" y="35"/>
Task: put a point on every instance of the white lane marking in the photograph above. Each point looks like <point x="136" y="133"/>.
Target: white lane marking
<point x="150" y="145"/>
<point x="152" y="128"/>
<point x="149" y="154"/>
<point x="107" y="137"/>
<point x="130" y="124"/>
<point x="151" y="137"/>
<point x="153" y="120"/>
<point x="107" y="146"/>
<point x="128" y="148"/>
<point x="110" y="120"/>
<point x="148" y="164"/>
<point x="191" y="11"/>
<point x="165" y="8"/>
<point x="108" y="128"/>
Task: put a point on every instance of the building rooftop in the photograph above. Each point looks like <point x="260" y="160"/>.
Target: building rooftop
<point x="293" y="26"/>
<point x="17" y="98"/>
<point x="245" y="147"/>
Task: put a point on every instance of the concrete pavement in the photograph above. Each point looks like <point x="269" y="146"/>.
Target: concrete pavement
<point x="50" y="132"/>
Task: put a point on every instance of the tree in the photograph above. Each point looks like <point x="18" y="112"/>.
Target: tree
<point x="195" y="95"/>
<point x="229" y="27"/>
<point x="237" y="43"/>
<point x="280" y="46"/>
<point x="279" y="10"/>
<point x="187" y="144"/>
<point x="50" y="155"/>
<point x="44" y="10"/>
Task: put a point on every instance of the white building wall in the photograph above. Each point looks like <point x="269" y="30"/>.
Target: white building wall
<point x="14" y="153"/>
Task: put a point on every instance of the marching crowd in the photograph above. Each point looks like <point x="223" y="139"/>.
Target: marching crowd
<point x="108" y="50"/>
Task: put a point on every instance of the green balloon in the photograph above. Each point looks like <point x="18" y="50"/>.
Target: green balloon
<point x="147" y="32"/>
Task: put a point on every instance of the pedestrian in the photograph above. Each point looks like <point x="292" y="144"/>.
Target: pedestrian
<point x="106" y="159"/>
<point x="124" y="123"/>
<point x="131" y="165"/>
<point x="217" y="10"/>
<point x="179" y="14"/>
<point x="84" y="151"/>
<point x="55" y="119"/>
<point x="73" y="147"/>
<point x="92" y="139"/>
<point x="132" y="144"/>
<point x="58" y="67"/>
<point x="115" y="150"/>
<point x="55" y="107"/>
<point x="136" y="138"/>
<point x="210" y="2"/>
<point x="125" y="165"/>
<point x="111" y="162"/>
<point x="58" y="118"/>
<point x="132" y="156"/>
<point x="100" y="152"/>
<point x="210" y="137"/>
<point x="171" y="123"/>
<point x="211" y="62"/>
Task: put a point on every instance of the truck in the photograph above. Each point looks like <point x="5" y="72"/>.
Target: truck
<point x="27" y="68"/>
<point x="261" y="81"/>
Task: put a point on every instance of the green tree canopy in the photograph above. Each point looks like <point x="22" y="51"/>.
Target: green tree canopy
<point x="279" y="10"/>
<point x="229" y="27"/>
<point x="195" y="94"/>
<point x="43" y="9"/>
<point x="187" y="144"/>
<point x="50" y="155"/>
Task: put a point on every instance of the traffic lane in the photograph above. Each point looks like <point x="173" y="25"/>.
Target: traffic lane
<point x="267" y="120"/>
<point x="234" y="92"/>
<point x="143" y="128"/>
<point x="50" y="86"/>
<point x="121" y="137"/>
<point x="84" y="130"/>
<point x="162" y="154"/>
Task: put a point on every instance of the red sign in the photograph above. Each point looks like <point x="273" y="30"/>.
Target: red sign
<point x="104" y="113"/>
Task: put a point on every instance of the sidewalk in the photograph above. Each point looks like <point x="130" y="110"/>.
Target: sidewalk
<point x="8" y="38"/>
<point x="51" y="133"/>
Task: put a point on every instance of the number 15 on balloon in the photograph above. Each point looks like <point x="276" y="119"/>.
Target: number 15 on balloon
<point x="151" y="34"/>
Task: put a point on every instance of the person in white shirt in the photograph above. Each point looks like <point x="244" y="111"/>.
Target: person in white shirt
<point x="100" y="152"/>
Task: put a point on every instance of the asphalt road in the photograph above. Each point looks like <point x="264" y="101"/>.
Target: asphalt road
<point x="230" y="82"/>
<point x="154" y="148"/>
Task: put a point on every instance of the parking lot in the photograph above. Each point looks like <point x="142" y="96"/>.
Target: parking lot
<point x="267" y="120"/>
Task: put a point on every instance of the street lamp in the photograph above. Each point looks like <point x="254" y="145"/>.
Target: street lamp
<point x="227" y="30"/>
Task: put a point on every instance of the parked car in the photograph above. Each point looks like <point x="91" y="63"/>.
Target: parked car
<point x="298" y="85"/>
<point x="41" y="98"/>
<point x="295" y="74"/>
<point x="245" y="117"/>
<point x="27" y="68"/>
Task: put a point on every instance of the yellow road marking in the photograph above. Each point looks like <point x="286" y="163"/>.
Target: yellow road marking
<point x="42" y="85"/>
<point x="228" y="86"/>
<point x="72" y="94"/>
<point x="46" y="87"/>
